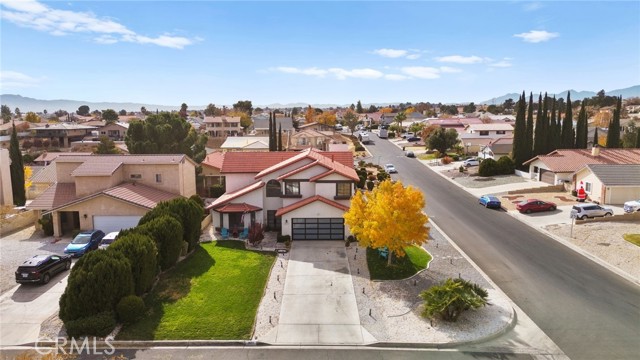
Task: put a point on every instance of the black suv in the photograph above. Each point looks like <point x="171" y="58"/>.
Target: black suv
<point x="41" y="268"/>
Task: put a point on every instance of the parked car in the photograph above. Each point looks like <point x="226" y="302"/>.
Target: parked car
<point x="631" y="206"/>
<point x="408" y="135"/>
<point x="471" y="162"/>
<point x="108" y="239"/>
<point x="41" y="268"/>
<point x="534" y="205"/>
<point x="582" y="211"/>
<point x="490" y="201"/>
<point x="413" y="139"/>
<point x="410" y="154"/>
<point x="84" y="242"/>
<point x="390" y="169"/>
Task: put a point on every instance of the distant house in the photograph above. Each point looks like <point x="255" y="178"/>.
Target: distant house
<point x="246" y="143"/>
<point x="6" y="129"/>
<point x="114" y="131"/>
<point x="497" y="148"/>
<point x="47" y="158"/>
<point x="315" y="126"/>
<point x="609" y="184"/>
<point x="211" y="176"/>
<point x="261" y="125"/>
<point x="222" y="126"/>
<point x="112" y="192"/>
<point x="64" y="133"/>
<point x="493" y="130"/>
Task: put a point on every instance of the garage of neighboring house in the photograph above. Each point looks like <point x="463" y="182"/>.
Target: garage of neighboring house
<point x="547" y="176"/>
<point x="314" y="218"/>
<point x="114" y="223"/>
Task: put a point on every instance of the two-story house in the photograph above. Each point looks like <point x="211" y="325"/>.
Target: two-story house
<point x="304" y="194"/>
<point x="112" y="192"/>
<point x="63" y="132"/>
<point x="477" y="136"/>
<point x="222" y="126"/>
<point x="261" y="125"/>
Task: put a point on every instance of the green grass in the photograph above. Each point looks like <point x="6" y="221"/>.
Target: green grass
<point x="632" y="238"/>
<point x="402" y="268"/>
<point x="433" y="156"/>
<point x="214" y="294"/>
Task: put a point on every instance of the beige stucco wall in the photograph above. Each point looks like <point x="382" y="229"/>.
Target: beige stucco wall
<point x="210" y="171"/>
<point x="6" y="192"/>
<point x="188" y="179"/>
<point x="103" y="205"/>
<point x="87" y="185"/>
<point x="595" y="193"/>
<point x="64" y="170"/>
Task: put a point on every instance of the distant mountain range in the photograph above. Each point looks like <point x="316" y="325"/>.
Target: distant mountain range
<point x="629" y="92"/>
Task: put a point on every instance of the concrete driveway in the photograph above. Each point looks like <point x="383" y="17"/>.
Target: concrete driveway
<point x="319" y="305"/>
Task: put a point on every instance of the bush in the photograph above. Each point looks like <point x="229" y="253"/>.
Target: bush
<point x="197" y="199"/>
<point x="461" y="169"/>
<point x="97" y="282"/>
<point x="446" y="160"/>
<point x="452" y="298"/>
<point x="283" y="238"/>
<point x="456" y="157"/>
<point x="142" y="253"/>
<point x="100" y="324"/>
<point x="391" y="134"/>
<point x="167" y="233"/>
<point x="506" y="166"/>
<point x="256" y="234"/>
<point x="488" y="167"/>
<point x="130" y="309"/>
<point x="188" y="212"/>
<point x="216" y="190"/>
<point x="382" y="175"/>
<point x="359" y="147"/>
<point x="47" y="224"/>
<point x="370" y="185"/>
<point x="574" y="193"/>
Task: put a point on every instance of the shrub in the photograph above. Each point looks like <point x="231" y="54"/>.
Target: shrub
<point x="97" y="282"/>
<point x="506" y="166"/>
<point x="188" y="212"/>
<point x="142" y="253"/>
<point x="27" y="144"/>
<point x="451" y="298"/>
<point x="437" y="154"/>
<point x="391" y="134"/>
<point x="283" y="238"/>
<point x="47" y="224"/>
<point x="446" y="160"/>
<point x="574" y="193"/>
<point x="456" y="157"/>
<point x="216" y="190"/>
<point x="361" y="163"/>
<point x="488" y="167"/>
<point x="370" y="185"/>
<point x="130" y="309"/>
<point x="256" y="234"/>
<point x="100" y="324"/>
<point x="359" y="147"/>
<point x="55" y="143"/>
<point x="197" y="199"/>
<point x="382" y="175"/>
<point x="167" y="233"/>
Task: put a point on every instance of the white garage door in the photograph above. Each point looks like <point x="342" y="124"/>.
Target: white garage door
<point x="114" y="223"/>
<point x="618" y="195"/>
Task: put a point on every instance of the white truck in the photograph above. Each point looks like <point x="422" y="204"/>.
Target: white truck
<point x="364" y="138"/>
<point x="631" y="206"/>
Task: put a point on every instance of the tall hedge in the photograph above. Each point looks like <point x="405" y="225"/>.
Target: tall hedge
<point x="142" y="253"/>
<point x="488" y="167"/>
<point x="167" y="233"/>
<point x="187" y="211"/>
<point x="506" y="166"/>
<point x="96" y="283"/>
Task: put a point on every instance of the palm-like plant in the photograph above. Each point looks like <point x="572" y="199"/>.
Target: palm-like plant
<point x="452" y="298"/>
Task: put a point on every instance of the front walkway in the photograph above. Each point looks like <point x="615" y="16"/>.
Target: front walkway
<point x="319" y="304"/>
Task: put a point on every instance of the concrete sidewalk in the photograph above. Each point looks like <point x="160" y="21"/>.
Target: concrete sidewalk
<point x="318" y="305"/>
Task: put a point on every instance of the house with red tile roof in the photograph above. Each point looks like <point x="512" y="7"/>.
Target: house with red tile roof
<point x="112" y="192"/>
<point x="303" y="194"/>
<point x="560" y="165"/>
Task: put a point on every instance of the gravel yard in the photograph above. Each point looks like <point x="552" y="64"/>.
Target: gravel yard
<point x="17" y="247"/>
<point x="481" y="182"/>
<point x="604" y="240"/>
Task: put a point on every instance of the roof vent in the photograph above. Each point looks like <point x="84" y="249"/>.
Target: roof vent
<point x="595" y="150"/>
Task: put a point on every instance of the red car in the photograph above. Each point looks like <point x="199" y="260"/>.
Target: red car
<point x="533" y="205"/>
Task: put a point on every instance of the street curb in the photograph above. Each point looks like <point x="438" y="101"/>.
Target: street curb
<point x="134" y="344"/>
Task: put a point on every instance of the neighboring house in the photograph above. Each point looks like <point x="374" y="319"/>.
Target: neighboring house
<point x="6" y="191"/>
<point x="559" y="165"/>
<point x="315" y="126"/>
<point x="303" y="194"/>
<point x="112" y="192"/>
<point x="222" y="126"/>
<point x="5" y="132"/>
<point x="610" y="184"/>
<point x="63" y="132"/>
<point x="387" y="118"/>
<point x="309" y="138"/>
<point x="497" y="148"/>
<point x="246" y="143"/>
<point x="41" y="178"/>
<point x="261" y="125"/>
<point x="115" y="131"/>
<point x="211" y="176"/>
<point x="493" y="130"/>
<point x="47" y="158"/>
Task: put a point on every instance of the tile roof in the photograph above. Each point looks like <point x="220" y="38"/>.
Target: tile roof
<point x="63" y="126"/>
<point x="325" y="159"/>
<point x="126" y="159"/>
<point x="307" y="201"/>
<point x="262" y="123"/>
<point x="255" y="162"/>
<point x="239" y="142"/>
<point x="310" y="133"/>
<point x="571" y="160"/>
<point x="56" y="195"/>
<point x="491" y="127"/>
<point x="616" y="175"/>
<point x="46" y="175"/>
<point x="214" y="159"/>
<point x="227" y="197"/>
<point x="90" y="168"/>
<point x="139" y="194"/>
<point x="220" y="119"/>
<point x="237" y="208"/>
<point x="50" y="156"/>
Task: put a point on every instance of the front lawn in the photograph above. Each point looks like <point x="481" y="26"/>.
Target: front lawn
<point x="214" y="294"/>
<point x="632" y="238"/>
<point x="415" y="260"/>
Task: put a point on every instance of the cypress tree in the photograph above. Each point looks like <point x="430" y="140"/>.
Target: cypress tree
<point x="613" y="135"/>
<point x="280" y="137"/>
<point x="581" y="127"/>
<point x="538" y="138"/>
<point x="17" y="170"/>
<point x="567" y="126"/>
<point x="546" y="128"/>
<point x="271" y="141"/>
<point x="555" y="136"/>
<point x="519" y="154"/>
<point x="529" y="133"/>
<point x="595" y="137"/>
<point x="638" y="139"/>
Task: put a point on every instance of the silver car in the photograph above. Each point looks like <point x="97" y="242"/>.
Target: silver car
<point x="583" y="211"/>
<point x="389" y="168"/>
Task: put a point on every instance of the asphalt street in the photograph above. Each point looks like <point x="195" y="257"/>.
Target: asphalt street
<point x="587" y="310"/>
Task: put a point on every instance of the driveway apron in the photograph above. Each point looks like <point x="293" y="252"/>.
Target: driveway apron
<point x="319" y="304"/>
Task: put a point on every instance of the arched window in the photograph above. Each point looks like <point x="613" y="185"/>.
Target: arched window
<point x="273" y="188"/>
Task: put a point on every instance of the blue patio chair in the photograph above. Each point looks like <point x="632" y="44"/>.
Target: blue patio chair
<point x="245" y="233"/>
<point x="224" y="233"/>
<point x="384" y="252"/>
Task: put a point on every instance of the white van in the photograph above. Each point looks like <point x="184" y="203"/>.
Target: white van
<point x="108" y="239"/>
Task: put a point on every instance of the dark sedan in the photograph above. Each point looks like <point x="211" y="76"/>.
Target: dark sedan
<point x="490" y="201"/>
<point x="41" y="268"/>
<point x="534" y="205"/>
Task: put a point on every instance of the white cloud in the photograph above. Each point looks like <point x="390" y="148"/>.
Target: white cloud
<point x="342" y="74"/>
<point x="501" y="64"/>
<point x="34" y="15"/>
<point x="396" y="77"/>
<point x="14" y="79"/>
<point x="413" y="56"/>
<point x="421" y="72"/>
<point x="448" y="69"/>
<point x="532" y="6"/>
<point x="536" y="36"/>
<point x="310" y="71"/>
<point x="391" y="53"/>
<point x="459" y="59"/>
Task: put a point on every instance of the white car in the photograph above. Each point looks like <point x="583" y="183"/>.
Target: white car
<point x="471" y="162"/>
<point x="389" y="168"/>
<point x="107" y="240"/>
<point x="631" y="206"/>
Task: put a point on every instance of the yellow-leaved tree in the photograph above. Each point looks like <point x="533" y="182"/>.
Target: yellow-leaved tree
<point x="327" y="118"/>
<point x="28" y="171"/>
<point x="388" y="216"/>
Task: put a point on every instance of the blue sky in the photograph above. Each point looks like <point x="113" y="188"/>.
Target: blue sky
<point x="200" y="52"/>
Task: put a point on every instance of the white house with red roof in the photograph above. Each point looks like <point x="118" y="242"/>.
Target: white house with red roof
<point x="303" y="194"/>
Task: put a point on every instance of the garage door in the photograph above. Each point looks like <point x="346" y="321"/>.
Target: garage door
<point x="114" y="223"/>
<point x="547" y="176"/>
<point x="618" y="195"/>
<point x="317" y="229"/>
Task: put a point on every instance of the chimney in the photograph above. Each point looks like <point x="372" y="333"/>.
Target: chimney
<point x="595" y="150"/>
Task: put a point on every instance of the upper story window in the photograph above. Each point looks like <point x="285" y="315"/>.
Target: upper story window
<point x="501" y="132"/>
<point x="343" y="190"/>
<point x="484" y="133"/>
<point x="292" y="188"/>
<point x="136" y="176"/>
<point x="158" y="178"/>
<point x="273" y="188"/>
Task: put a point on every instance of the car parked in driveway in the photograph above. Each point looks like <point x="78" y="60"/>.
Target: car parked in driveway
<point x="410" y="154"/>
<point x="413" y="139"/>
<point x="490" y="201"/>
<point x="40" y="268"/>
<point x="631" y="206"/>
<point x="471" y="162"/>
<point x="389" y="168"/>
<point x="84" y="242"/>
<point x="535" y="205"/>
<point x="583" y="211"/>
<point x="108" y="239"/>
